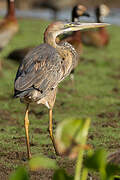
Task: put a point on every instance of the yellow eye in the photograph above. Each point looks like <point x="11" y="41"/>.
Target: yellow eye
<point x="68" y="25"/>
<point x="71" y="24"/>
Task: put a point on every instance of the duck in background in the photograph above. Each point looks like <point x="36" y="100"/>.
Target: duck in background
<point x="100" y="37"/>
<point x="9" y="25"/>
<point x="74" y="38"/>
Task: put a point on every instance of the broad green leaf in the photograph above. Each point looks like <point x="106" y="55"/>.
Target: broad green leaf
<point x="60" y="174"/>
<point x="79" y="163"/>
<point x="112" y="170"/>
<point x="72" y="131"/>
<point x="42" y="162"/>
<point x="96" y="160"/>
<point x="116" y="178"/>
<point x="19" y="174"/>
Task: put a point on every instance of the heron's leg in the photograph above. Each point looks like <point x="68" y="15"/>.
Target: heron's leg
<point x="51" y="130"/>
<point x="0" y="65"/>
<point x="72" y="77"/>
<point x="26" y="132"/>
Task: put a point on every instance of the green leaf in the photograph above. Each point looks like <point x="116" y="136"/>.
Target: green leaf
<point x="112" y="170"/>
<point x="79" y="163"/>
<point x="96" y="160"/>
<point x="42" y="162"/>
<point x="117" y="178"/>
<point x="60" y="174"/>
<point x="72" y="131"/>
<point x="19" y="174"/>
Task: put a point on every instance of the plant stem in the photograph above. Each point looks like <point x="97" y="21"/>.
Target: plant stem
<point x="79" y="164"/>
<point x="81" y="152"/>
<point x="84" y="174"/>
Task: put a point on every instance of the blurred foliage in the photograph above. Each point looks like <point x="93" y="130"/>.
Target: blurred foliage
<point x="60" y="174"/>
<point x="20" y="174"/>
<point x="42" y="162"/>
<point x="70" y="135"/>
<point x="78" y="129"/>
<point x="97" y="161"/>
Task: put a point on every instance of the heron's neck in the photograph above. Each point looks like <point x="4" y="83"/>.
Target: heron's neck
<point x="50" y="38"/>
<point x="11" y="9"/>
<point x="65" y="50"/>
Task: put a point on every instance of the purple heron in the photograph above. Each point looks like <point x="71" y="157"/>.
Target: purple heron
<point x="44" y="68"/>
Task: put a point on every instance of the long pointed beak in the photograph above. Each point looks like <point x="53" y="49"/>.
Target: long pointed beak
<point x="80" y="26"/>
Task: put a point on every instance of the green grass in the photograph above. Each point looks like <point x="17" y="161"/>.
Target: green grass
<point x="96" y="95"/>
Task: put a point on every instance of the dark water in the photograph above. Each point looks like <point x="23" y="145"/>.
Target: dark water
<point x="113" y="18"/>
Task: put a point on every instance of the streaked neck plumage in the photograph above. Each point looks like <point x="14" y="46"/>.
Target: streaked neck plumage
<point x="66" y="51"/>
<point x="50" y="38"/>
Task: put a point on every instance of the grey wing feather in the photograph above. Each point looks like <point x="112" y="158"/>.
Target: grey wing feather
<point x="41" y="68"/>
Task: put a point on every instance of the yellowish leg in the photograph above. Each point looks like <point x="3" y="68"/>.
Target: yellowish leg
<point x="0" y="65"/>
<point x="72" y="77"/>
<point x="26" y="132"/>
<point x="51" y="131"/>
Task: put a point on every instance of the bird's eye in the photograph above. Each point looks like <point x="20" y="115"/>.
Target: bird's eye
<point x="69" y="25"/>
<point x="66" y="25"/>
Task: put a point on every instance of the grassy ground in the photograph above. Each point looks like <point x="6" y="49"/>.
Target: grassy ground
<point x="96" y="94"/>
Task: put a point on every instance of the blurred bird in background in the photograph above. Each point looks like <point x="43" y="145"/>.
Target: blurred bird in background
<point x="99" y="37"/>
<point x="75" y="38"/>
<point x="8" y="26"/>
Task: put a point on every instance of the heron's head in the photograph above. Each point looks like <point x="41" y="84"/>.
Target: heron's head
<point x="79" y="10"/>
<point x="59" y="27"/>
<point x="102" y="11"/>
